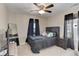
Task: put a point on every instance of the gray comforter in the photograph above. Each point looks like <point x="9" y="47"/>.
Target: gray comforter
<point x="40" y="42"/>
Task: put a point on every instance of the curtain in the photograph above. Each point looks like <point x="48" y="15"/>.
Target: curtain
<point x="68" y="31"/>
<point x="30" y="28"/>
<point x="33" y="28"/>
<point x="37" y="33"/>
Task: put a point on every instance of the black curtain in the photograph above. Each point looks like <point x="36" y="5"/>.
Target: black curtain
<point x="30" y="28"/>
<point x="37" y="32"/>
<point x="69" y="16"/>
<point x="69" y="41"/>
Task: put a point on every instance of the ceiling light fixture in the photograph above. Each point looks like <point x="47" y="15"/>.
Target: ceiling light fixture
<point x="41" y="12"/>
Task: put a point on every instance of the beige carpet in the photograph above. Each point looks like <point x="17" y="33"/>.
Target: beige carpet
<point x="24" y="50"/>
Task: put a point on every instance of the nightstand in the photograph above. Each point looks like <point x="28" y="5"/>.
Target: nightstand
<point x="61" y="43"/>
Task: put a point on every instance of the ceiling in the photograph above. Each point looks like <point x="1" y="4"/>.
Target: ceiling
<point x="26" y="8"/>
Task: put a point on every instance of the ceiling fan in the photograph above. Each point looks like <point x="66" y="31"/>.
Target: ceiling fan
<point x="43" y="8"/>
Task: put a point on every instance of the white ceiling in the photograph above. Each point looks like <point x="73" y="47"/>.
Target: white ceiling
<point x="27" y="7"/>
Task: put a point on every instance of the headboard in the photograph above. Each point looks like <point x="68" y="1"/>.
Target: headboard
<point x="54" y="29"/>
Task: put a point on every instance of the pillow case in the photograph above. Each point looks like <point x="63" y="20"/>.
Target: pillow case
<point x="44" y="34"/>
<point x="51" y="34"/>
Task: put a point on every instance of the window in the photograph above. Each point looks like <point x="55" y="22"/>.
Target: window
<point x="34" y="28"/>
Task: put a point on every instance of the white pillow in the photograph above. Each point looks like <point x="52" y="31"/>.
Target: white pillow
<point x="50" y="34"/>
<point x="44" y="34"/>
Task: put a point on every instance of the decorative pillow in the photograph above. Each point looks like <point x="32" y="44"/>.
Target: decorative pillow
<point x="51" y="34"/>
<point x="44" y="34"/>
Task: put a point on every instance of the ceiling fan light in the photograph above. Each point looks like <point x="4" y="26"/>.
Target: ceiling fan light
<point x="41" y="11"/>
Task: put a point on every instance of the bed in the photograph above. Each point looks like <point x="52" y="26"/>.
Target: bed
<point x="41" y="42"/>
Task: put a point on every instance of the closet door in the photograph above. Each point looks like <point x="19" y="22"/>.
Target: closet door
<point x="75" y="33"/>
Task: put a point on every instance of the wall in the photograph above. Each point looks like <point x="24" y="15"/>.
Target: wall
<point x="58" y="20"/>
<point x="3" y="24"/>
<point x="22" y="21"/>
<point x="3" y="17"/>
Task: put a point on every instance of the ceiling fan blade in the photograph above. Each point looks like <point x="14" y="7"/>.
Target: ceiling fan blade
<point x="36" y="4"/>
<point x="48" y="11"/>
<point x="49" y="6"/>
